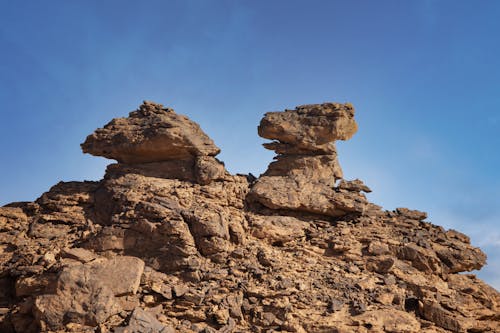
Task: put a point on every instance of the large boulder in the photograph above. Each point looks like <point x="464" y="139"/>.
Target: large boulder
<point x="303" y="176"/>
<point x="153" y="133"/>
<point x="309" y="127"/>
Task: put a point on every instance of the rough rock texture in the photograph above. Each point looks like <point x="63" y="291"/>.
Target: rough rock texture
<point x="150" y="134"/>
<point x="158" y="142"/>
<point x="304" y="173"/>
<point x="177" y="244"/>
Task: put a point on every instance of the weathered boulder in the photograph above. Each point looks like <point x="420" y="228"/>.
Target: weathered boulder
<point x="303" y="175"/>
<point x="309" y="127"/>
<point x="153" y="133"/>
<point x="85" y="293"/>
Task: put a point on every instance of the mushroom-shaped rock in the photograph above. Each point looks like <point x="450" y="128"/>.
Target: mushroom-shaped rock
<point x="303" y="175"/>
<point x="157" y="142"/>
<point x="153" y="133"/>
<point x="308" y="128"/>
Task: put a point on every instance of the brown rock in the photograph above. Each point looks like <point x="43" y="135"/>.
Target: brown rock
<point x="310" y="126"/>
<point x="79" y="254"/>
<point x="143" y="322"/>
<point x="122" y="274"/>
<point x="277" y="229"/>
<point x="353" y="186"/>
<point x="169" y="241"/>
<point x="150" y="134"/>
<point x="80" y="298"/>
<point x="303" y="175"/>
<point x="384" y="321"/>
<point x="289" y="194"/>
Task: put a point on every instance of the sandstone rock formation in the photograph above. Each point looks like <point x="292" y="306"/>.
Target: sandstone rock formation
<point x="169" y="241"/>
<point x="303" y="175"/>
<point x="157" y="141"/>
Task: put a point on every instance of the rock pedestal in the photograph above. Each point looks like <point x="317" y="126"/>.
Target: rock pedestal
<point x="306" y="169"/>
<point x="157" y="141"/>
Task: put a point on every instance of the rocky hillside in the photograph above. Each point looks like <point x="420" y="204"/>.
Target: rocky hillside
<point x="169" y="241"/>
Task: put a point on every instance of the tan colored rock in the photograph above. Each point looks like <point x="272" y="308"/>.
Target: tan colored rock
<point x="180" y="245"/>
<point x="79" y="254"/>
<point x="303" y="175"/>
<point x="323" y="169"/>
<point x="122" y="274"/>
<point x="80" y="298"/>
<point x="150" y="134"/>
<point x="393" y="321"/>
<point x="85" y="293"/>
<point x="142" y="321"/>
<point x="277" y="229"/>
<point x="311" y="126"/>
<point x="289" y="194"/>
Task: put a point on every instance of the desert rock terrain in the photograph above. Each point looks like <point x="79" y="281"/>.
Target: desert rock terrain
<point x="170" y="241"/>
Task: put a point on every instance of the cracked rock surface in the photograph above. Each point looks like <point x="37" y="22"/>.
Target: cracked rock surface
<point x="169" y="241"/>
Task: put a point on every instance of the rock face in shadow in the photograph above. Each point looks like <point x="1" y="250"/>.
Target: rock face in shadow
<point x="169" y="241"/>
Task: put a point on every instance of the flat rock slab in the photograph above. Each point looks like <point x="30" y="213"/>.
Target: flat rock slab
<point x="122" y="274"/>
<point x="291" y="194"/>
<point x="144" y="322"/>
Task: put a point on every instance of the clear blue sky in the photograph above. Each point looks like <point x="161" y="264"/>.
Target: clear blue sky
<point x="423" y="75"/>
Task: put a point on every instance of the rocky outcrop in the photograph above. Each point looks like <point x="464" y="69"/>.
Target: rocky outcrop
<point x="169" y="241"/>
<point x="153" y="133"/>
<point x="303" y="175"/>
<point x="157" y="141"/>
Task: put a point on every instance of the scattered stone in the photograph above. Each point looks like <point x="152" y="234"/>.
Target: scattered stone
<point x="153" y="133"/>
<point x="143" y="322"/>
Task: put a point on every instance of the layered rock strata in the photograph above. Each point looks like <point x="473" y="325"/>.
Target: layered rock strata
<point x="151" y="248"/>
<point x="157" y="141"/>
<point x="303" y="175"/>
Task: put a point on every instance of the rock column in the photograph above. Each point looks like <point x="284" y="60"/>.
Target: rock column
<point x="306" y="169"/>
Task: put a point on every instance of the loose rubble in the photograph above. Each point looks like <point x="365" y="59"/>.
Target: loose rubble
<point x="169" y="241"/>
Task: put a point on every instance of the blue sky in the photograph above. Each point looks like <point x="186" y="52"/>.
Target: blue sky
<point x="423" y="75"/>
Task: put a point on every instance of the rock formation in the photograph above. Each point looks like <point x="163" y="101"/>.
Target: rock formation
<point x="304" y="173"/>
<point x="169" y="241"/>
<point x="158" y="142"/>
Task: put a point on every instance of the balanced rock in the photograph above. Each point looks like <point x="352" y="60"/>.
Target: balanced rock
<point x="303" y="175"/>
<point x="308" y="128"/>
<point x="153" y="133"/>
<point x="156" y="140"/>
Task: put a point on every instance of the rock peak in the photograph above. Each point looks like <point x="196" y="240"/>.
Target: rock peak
<point x="148" y="107"/>
<point x="311" y="127"/>
<point x="152" y="133"/>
